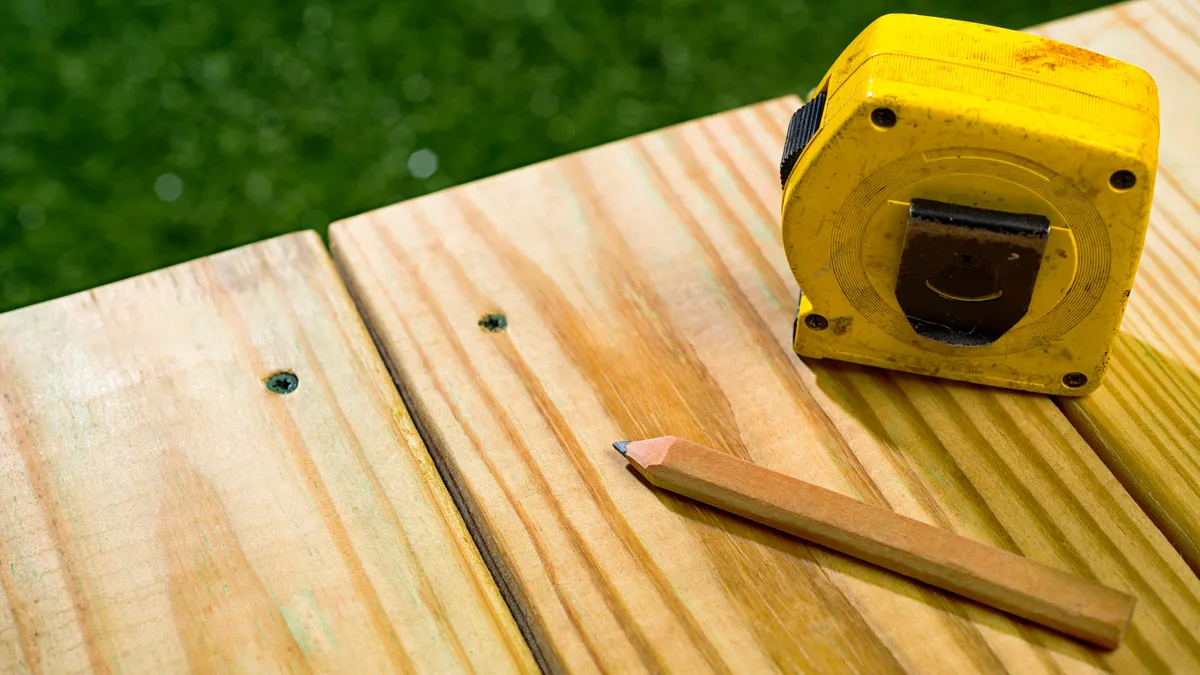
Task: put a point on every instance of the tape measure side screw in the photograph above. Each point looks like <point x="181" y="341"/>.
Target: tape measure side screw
<point x="1074" y="380"/>
<point x="884" y="118"/>
<point x="816" y="322"/>
<point x="1122" y="180"/>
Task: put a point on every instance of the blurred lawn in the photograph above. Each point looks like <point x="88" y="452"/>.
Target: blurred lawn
<point x="136" y="134"/>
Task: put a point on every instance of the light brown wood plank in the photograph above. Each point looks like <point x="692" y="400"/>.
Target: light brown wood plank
<point x="994" y="577"/>
<point x="647" y="294"/>
<point x="1145" y="420"/>
<point x="163" y="511"/>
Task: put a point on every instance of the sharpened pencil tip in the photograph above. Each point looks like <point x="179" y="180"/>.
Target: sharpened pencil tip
<point x="620" y="446"/>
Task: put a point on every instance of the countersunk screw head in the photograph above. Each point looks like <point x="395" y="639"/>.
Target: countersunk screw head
<point x="884" y="118"/>
<point x="1122" y="180"/>
<point x="493" y="323"/>
<point x="1074" y="380"/>
<point x="283" y="382"/>
<point x="816" y="322"/>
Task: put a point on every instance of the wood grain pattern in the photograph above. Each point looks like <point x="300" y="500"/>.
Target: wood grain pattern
<point x="163" y="511"/>
<point x="1012" y="583"/>
<point x="647" y="294"/>
<point x="1145" y="420"/>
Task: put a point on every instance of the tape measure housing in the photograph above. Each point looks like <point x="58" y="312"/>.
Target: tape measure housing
<point x="969" y="202"/>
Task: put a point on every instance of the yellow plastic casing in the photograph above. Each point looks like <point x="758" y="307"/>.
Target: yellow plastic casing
<point x="989" y="118"/>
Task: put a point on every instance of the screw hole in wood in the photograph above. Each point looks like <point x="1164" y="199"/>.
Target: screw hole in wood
<point x="493" y="323"/>
<point x="283" y="382"/>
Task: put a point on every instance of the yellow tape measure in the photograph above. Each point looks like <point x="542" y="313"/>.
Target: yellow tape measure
<point x="969" y="202"/>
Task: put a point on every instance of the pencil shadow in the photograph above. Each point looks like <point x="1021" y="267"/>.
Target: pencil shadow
<point x="1169" y="388"/>
<point x="707" y="521"/>
<point x="1160" y="376"/>
<point x="838" y="380"/>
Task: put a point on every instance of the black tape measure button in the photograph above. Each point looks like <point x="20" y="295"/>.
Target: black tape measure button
<point x="804" y="125"/>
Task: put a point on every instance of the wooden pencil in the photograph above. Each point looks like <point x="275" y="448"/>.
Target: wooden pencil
<point x="987" y="574"/>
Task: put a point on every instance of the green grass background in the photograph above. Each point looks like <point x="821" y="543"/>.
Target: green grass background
<point x="136" y="134"/>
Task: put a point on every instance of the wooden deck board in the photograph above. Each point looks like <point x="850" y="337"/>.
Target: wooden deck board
<point x="163" y="511"/>
<point x="646" y="293"/>
<point x="1145" y="420"/>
